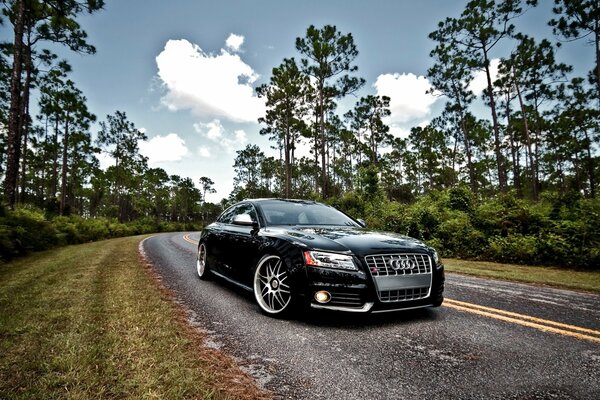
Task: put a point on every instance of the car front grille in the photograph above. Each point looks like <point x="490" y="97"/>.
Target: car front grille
<point x="401" y="276"/>
<point x="404" y="294"/>
<point x="381" y="265"/>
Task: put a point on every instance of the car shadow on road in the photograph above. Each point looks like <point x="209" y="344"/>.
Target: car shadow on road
<point x="359" y="320"/>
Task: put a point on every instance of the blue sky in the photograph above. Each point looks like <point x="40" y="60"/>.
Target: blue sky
<point x="174" y="67"/>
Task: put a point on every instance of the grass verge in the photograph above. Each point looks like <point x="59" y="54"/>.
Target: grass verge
<point x="557" y="277"/>
<point x="90" y="321"/>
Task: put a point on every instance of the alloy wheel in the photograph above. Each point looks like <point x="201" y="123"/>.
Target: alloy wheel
<point x="201" y="267"/>
<point x="271" y="285"/>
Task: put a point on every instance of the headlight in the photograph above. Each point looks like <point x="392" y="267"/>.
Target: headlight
<point x="329" y="260"/>
<point x="436" y="258"/>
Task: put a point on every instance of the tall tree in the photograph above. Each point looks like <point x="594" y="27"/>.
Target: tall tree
<point x="366" y="120"/>
<point x="34" y="21"/>
<point x="579" y="19"/>
<point x="328" y="59"/>
<point x="207" y="186"/>
<point x="287" y="107"/>
<point x="532" y="72"/>
<point x="247" y="167"/>
<point x="479" y="29"/>
<point x="119" y="137"/>
<point x="450" y="76"/>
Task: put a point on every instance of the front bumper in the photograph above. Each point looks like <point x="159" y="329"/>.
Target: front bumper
<point x="356" y="291"/>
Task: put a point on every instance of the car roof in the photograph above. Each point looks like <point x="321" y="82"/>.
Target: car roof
<point x="264" y="200"/>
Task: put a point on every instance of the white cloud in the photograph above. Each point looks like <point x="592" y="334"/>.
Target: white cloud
<point x="408" y="98"/>
<point x="209" y="85"/>
<point x="479" y="82"/>
<point x="163" y="148"/>
<point x="398" y="131"/>
<point x="204" y="152"/>
<point x="234" y="42"/>
<point x="106" y="160"/>
<point x="216" y="133"/>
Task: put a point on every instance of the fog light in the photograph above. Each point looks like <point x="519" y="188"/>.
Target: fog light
<point x="323" y="296"/>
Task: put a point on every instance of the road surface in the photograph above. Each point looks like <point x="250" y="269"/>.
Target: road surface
<point x="490" y="339"/>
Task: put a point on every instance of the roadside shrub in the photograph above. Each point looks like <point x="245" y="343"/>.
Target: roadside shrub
<point x="507" y="215"/>
<point x="351" y="203"/>
<point x="26" y="230"/>
<point x="517" y="249"/>
<point x="458" y="238"/>
<point x="92" y="229"/>
<point x="424" y="219"/>
<point x="461" y="198"/>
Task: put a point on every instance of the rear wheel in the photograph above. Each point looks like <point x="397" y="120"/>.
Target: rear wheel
<point x="272" y="286"/>
<point x="201" y="264"/>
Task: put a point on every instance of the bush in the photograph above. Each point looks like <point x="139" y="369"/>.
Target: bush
<point x="458" y="238"/>
<point x="518" y="249"/>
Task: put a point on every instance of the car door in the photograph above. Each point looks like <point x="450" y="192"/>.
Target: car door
<point x="239" y="243"/>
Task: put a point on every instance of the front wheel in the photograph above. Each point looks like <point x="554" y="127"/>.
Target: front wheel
<point x="272" y="286"/>
<point x="201" y="263"/>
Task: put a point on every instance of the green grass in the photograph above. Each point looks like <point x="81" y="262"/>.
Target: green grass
<point x="89" y="321"/>
<point x="550" y="276"/>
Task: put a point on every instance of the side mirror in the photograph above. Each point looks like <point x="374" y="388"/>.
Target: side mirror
<point x="243" y="219"/>
<point x="362" y="223"/>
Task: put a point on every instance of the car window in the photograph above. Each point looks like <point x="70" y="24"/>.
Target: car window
<point x="303" y="213"/>
<point x="246" y="208"/>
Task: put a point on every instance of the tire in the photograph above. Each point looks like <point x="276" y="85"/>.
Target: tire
<point x="272" y="288"/>
<point x="202" y="268"/>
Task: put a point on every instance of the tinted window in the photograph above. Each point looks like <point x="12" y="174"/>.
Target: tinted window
<point x="303" y="213"/>
<point x="227" y="216"/>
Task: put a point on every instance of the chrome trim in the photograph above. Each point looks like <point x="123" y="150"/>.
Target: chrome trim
<point x="402" y="309"/>
<point x="388" y="279"/>
<point x="228" y="279"/>
<point x="366" y="308"/>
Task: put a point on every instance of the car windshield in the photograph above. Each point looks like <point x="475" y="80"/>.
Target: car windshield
<point x="282" y="212"/>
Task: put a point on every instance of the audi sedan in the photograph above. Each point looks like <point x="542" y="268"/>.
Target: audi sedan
<point x="297" y="253"/>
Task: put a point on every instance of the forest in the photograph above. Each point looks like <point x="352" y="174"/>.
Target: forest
<point x="518" y="185"/>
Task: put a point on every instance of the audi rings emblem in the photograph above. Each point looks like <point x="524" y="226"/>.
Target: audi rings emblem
<point x="398" y="264"/>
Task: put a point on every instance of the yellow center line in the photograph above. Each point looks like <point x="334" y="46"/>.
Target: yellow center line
<point x="524" y="320"/>
<point x="187" y="238"/>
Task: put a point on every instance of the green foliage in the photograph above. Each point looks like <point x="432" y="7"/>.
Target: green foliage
<point x="28" y="229"/>
<point x="559" y="231"/>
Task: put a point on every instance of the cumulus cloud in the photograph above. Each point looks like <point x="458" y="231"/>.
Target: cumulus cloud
<point x="408" y="98"/>
<point x="216" y="133"/>
<point x="218" y="85"/>
<point x="164" y="148"/>
<point x="204" y="152"/>
<point x="234" y="42"/>
<point x="479" y="82"/>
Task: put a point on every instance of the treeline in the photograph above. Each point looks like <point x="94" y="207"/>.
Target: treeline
<point x="541" y="135"/>
<point x="531" y="167"/>
<point x="51" y="160"/>
<point x="534" y="157"/>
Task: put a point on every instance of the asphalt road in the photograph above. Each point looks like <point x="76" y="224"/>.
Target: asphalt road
<point x="490" y="339"/>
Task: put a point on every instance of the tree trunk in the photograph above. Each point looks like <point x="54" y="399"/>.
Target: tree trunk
<point x="63" y="185"/>
<point x="532" y="160"/>
<point x="597" y="44"/>
<point x="513" y="150"/>
<point x="24" y="121"/>
<point x="54" y="186"/>
<point x="14" y="116"/>
<point x="590" y="165"/>
<point x="463" y="127"/>
<point x="499" y="156"/>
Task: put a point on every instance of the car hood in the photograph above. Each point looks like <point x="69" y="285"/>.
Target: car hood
<point x="359" y="241"/>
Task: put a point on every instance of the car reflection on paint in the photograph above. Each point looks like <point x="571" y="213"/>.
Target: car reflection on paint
<point x="294" y="253"/>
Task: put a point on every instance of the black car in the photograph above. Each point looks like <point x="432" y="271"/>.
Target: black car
<point x="297" y="252"/>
